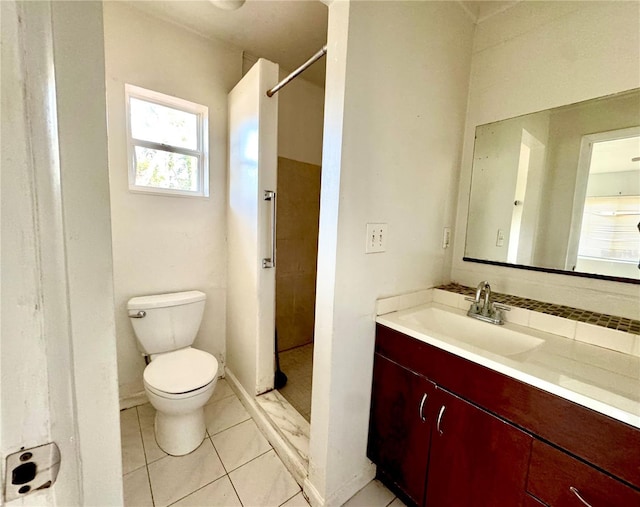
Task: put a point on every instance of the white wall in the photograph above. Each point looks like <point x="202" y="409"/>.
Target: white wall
<point x="531" y="57"/>
<point x="161" y="243"/>
<point x="300" y="116"/>
<point x="396" y="90"/>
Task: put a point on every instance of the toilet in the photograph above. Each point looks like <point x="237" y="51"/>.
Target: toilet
<point x="179" y="379"/>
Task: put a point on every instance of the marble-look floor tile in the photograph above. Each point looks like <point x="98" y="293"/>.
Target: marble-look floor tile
<point x="264" y="482"/>
<point x="173" y="477"/>
<point x="223" y="414"/>
<point x="374" y="494"/>
<point x="240" y="444"/>
<point x="221" y="391"/>
<point x="131" y="441"/>
<point x="297" y="501"/>
<point x="287" y="420"/>
<point x="397" y="503"/>
<point x="137" y="492"/>
<point x="219" y="493"/>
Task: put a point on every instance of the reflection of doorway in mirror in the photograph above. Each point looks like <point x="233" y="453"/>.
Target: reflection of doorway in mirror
<point x="526" y="200"/>
<point x="609" y="239"/>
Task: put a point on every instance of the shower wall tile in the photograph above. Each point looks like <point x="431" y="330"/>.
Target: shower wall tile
<point x="297" y="251"/>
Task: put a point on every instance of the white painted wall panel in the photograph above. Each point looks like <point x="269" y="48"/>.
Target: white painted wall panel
<point x="253" y="124"/>
<point x="165" y="243"/>
<point x="396" y="93"/>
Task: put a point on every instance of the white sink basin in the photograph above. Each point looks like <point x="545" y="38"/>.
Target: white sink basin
<point x="489" y="337"/>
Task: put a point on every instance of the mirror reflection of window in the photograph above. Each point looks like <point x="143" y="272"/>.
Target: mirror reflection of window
<point x="529" y="185"/>
<point x="609" y="237"/>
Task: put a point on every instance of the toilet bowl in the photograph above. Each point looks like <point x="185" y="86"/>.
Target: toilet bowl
<point x="179" y="379"/>
<point x="178" y="385"/>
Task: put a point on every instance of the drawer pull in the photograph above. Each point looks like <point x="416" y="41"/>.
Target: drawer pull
<point x="422" y="402"/>
<point x="440" y="414"/>
<point x="577" y="493"/>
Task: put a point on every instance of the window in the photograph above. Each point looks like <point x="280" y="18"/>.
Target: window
<point x="168" y="144"/>
<point x="610" y="229"/>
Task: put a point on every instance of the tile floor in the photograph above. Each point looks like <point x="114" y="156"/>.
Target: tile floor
<point x="234" y="466"/>
<point x="297" y="364"/>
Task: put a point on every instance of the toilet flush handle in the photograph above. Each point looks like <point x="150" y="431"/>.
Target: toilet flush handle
<point x="140" y="314"/>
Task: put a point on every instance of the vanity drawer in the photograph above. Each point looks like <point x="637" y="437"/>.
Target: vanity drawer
<point x="532" y="501"/>
<point x="559" y="480"/>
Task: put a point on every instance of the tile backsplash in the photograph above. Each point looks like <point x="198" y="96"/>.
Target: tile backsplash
<point x="566" y="312"/>
<point x="607" y="331"/>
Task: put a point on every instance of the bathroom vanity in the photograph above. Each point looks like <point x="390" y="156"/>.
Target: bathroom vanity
<point x="452" y="425"/>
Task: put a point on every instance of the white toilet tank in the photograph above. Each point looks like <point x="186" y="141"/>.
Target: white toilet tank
<point x="170" y="321"/>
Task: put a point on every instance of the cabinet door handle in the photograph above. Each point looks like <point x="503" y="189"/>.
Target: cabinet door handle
<point x="440" y="414"/>
<point x="577" y="493"/>
<point x="422" y="402"/>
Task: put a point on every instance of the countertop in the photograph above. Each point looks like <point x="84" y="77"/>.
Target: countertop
<point x="597" y="378"/>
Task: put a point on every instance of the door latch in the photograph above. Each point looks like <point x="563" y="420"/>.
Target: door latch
<point x="30" y="470"/>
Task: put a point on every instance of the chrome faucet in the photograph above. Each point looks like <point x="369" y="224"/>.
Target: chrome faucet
<point x="483" y="308"/>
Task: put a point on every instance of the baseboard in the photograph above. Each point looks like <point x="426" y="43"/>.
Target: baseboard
<point x="287" y="454"/>
<point x="133" y="400"/>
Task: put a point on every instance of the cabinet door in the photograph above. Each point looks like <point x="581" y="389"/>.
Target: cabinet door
<point x="399" y="430"/>
<point x="476" y="459"/>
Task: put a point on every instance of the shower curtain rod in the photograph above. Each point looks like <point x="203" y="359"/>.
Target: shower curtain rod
<point x="298" y="71"/>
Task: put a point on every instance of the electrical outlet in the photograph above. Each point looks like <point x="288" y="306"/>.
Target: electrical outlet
<point x="500" y="238"/>
<point x="376" y="238"/>
<point x="446" y="237"/>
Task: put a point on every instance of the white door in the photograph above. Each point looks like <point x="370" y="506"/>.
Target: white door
<point x="253" y="158"/>
<point x="59" y="377"/>
<point x="36" y="408"/>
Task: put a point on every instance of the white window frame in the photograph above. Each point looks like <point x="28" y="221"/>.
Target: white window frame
<point x="202" y="153"/>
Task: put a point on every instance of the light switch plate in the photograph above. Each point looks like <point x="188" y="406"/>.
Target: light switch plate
<point x="446" y="237"/>
<point x="376" y="240"/>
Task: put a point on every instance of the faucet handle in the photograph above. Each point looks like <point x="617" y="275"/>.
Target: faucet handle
<point x="499" y="306"/>
<point x="470" y="299"/>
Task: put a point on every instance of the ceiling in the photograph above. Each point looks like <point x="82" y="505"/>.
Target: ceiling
<point x="287" y="32"/>
<point x="483" y="9"/>
<point x="615" y="156"/>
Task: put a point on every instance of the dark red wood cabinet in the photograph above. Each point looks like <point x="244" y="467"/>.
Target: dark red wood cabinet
<point x="476" y="458"/>
<point x="399" y="433"/>
<point x="558" y="479"/>
<point x="446" y="432"/>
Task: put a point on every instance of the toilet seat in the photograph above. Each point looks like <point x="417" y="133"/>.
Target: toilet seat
<point x="180" y="396"/>
<point x="181" y="372"/>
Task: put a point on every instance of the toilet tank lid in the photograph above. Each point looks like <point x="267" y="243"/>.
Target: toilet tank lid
<point x="164" y="300"/>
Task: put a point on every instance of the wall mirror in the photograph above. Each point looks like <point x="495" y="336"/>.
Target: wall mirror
<point x="559" y="190"/>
